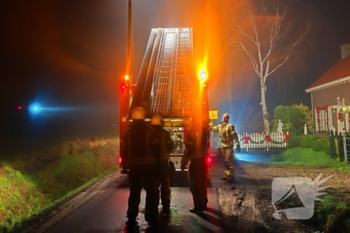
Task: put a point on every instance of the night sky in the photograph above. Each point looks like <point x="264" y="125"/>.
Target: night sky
<point x="71" y="55"/>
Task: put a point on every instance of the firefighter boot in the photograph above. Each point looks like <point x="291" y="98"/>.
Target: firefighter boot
<point x="229" y="176"/>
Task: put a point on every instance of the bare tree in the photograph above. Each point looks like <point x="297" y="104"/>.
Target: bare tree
<point x="268" y="39"/>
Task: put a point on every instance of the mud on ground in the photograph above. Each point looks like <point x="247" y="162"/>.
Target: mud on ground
<point x="246" y="204"/>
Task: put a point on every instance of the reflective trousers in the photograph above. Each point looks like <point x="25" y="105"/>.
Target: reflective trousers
<point x="143" y="177"/>
<point x="198" y="171"/>
<point x="229" y="162"/>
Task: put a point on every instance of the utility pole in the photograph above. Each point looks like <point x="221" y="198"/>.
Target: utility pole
<point x="129" y="76"/>
<point x="126" y="92"/>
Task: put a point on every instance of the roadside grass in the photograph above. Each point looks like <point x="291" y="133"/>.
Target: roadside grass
<point x="33" y="181"/>
<point x="308" y="158"/>
<point x="332" y="214"/>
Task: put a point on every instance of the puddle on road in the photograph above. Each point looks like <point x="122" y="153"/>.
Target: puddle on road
<point x="258" y="158"/>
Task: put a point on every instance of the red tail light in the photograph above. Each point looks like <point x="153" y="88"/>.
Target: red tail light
<point x="208" y="160"/>
<point x="120" y="160"/>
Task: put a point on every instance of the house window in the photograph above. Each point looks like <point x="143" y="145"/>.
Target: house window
<point x="322" y="119"/>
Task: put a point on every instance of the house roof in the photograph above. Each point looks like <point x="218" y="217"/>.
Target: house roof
<point x="337" y="74"/>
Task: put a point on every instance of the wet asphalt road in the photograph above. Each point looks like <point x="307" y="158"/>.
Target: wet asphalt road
<point x="103" y="209"/>
<point x="106" y="211"/>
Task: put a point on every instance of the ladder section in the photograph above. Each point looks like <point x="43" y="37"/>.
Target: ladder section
<point x="181" y="91"/>
<point x="163" y="86"/>
<point x="142" y="95"/>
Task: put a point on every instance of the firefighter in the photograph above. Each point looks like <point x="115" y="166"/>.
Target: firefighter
<point x="196" y="152"/>
<point x="139" y="148"/>
<point x="228" y="138"/>
<point x="163" y="169"/>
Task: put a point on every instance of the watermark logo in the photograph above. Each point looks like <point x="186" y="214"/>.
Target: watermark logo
<point x="294" y="197"/>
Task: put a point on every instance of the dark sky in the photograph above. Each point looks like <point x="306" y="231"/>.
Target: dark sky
<point x="73" y="54"/>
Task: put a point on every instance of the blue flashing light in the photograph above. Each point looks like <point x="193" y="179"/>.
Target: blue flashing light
<point x="35" y="108"/>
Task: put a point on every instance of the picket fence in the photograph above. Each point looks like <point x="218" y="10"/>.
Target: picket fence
<point x="250" y="141"/>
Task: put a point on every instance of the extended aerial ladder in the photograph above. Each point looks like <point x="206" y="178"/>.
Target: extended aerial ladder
<point x="164" y="81"/>
<point x="168" y="85"/>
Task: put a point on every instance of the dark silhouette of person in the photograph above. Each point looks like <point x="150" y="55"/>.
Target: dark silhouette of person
<point x="139" y="147"/>
<point x="196" y="152"/>
<point x="163" y="169"/>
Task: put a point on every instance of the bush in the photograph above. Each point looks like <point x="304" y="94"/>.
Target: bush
<point x="293" y="118"/>
<point x="324" y="142"/>
<point x="320" y="143"/>
<point x="306" y="143"/>
<point x="294" y="142"/>
<point x="316" y="142"/>
<point x="317" y="146"/>
<point x="327" y="149"/>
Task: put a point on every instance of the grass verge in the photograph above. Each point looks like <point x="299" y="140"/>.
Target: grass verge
<point x="33" y="181"/>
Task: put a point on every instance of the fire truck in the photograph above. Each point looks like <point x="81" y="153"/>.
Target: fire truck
<point x="169" y="83"/>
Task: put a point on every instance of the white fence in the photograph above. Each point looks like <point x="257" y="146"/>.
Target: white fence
<point x="263" y="141"/>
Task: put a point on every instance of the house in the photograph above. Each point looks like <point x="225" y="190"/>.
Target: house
<point x="330" y="96"/>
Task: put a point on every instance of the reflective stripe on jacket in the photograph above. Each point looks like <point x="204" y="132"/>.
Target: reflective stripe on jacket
<point x="227" y="134"/>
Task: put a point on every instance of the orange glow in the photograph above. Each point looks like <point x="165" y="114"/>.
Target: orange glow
<point x="209" y="21"/>
<point x="202" y="71"/>
<point x="126" y="77"/>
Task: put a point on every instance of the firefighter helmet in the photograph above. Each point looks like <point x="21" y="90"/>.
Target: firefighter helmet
<point x="157" y="119"/>
<point x="138" y="113"/>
